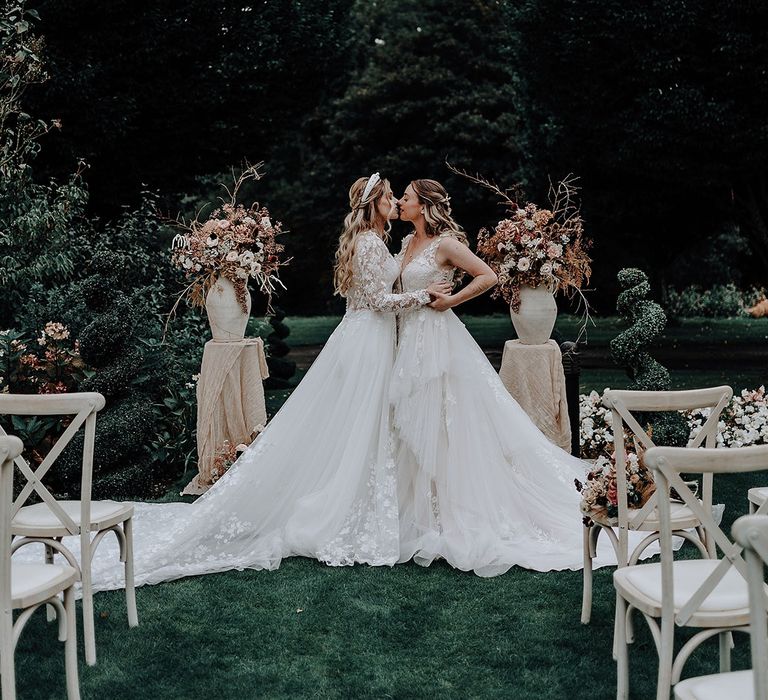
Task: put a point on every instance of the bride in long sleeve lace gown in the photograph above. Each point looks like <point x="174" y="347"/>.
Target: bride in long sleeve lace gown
<point x="320" y="480"/>
<point x="479" y="485"/>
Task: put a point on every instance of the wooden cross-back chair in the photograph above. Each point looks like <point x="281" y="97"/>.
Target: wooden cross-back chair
<point x="624" y="404"/>
<point x="709" y="594"/>
<point x="51" y="520"/>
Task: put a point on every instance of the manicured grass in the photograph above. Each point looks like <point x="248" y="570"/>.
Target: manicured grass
<point x="310" y="631"/>
<point x="496" y="328"/>
<point x="599" y="379"/>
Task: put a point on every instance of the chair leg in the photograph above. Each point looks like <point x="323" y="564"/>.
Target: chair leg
<point x="666" y="657"/>
<point x="621" y="649"/>
<point x="130" y="589"/>
<point x="70" y="646"/>
<point x="586" y="595"/>
<point x="50" y="611"/>
<point x="726" y="643"/>
<point x="89" y="632"/>
<point x="7" y="672"/>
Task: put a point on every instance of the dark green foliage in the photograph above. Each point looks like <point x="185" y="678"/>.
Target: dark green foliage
<point x="629" y="349"/>
<point x="646" y="321"/>
<point x="660" y="108"/>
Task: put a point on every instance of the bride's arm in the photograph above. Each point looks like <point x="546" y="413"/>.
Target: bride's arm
<point x="370" y="261"/>
<point x="456" y="254"/>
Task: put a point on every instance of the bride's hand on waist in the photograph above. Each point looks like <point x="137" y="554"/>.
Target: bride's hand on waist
<point x="442" y="302"/>
<point x="439" y="288"/>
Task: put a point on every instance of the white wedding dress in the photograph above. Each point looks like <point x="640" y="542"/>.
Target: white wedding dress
<point x="479" y="485"/>
<point x="319" y="481"/>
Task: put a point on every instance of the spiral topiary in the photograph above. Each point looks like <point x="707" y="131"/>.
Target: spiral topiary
<point x="646" y="321"/>
<point x="280" y="369"/>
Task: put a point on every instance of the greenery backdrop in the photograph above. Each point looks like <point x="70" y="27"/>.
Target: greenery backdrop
<point x="659" y="108"/>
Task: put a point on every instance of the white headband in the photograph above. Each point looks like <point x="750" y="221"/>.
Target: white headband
<point x="372" y="181"/>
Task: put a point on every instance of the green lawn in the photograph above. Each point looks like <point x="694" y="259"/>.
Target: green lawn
<point x="310" y="631"/>
<point x="496" y="328"/>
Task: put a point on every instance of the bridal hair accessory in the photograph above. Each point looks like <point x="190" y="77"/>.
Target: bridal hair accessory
<point x="372" y="181"/>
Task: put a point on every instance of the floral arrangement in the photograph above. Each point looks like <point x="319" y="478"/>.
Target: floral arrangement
<point x="49" y="365"/>
<point x="535" y="246"/>
<point x="228" y="454"/>
<point x="743" y="422"/>
<point x="225" y="457"/>
<point x="599" y="493"/>
<point x="236" y="243"/>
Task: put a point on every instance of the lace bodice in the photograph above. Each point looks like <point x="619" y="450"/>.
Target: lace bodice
<point x="375" y="271"/>
<point x="423" y="269"/>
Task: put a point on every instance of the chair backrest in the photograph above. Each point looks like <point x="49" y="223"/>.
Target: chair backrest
<point x="624" y="404"/>
<point x="751" y="532"/>
<point x="10" y="449"/>
<point x="668" y="463"/>
<point x="83" y="407"/>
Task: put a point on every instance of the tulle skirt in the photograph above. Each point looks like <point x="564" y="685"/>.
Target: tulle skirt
<point x="318" y="482"/>
<point x="479" y="485"/>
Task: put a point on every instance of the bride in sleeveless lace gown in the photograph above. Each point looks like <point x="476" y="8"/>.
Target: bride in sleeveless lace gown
<point x="479" y="485"/>
<point x="320" y="480"/>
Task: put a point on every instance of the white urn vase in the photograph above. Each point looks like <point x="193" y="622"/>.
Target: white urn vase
<point x="225" y="315"/>
<point x="536" y="318"/>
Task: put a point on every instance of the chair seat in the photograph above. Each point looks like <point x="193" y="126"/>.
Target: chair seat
<point x="40" y="520"/>
<point x="739" y="685"/>
<point x="640" y="585"/>
<point x="34" y="583"/>
<point x="682" y="517"/>
<point x="758" y="495"/>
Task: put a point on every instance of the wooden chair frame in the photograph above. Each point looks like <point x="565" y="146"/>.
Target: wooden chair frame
<point x="31" y="599"/>
<point x="623" y="404"/>
<point x="84" y="407"/>
<point x="662" y="616"/>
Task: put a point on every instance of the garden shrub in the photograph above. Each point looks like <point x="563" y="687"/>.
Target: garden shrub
<point x="646" y="320"/>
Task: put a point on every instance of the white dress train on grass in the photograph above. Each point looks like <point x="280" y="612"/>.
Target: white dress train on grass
<point x="319" y="481"/>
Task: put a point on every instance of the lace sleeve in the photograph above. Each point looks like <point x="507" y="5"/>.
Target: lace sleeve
<point x="370" y="261"/>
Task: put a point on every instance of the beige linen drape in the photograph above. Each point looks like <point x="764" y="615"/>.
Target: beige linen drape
<point x="533" y="375"/>
<point x="230" y="401"/>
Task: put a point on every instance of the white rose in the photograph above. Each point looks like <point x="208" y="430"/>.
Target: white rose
<point x="188" y="263"/>
<point x="242" y="274"/>
<point x="523" y="264"/>
<point x="232" y="256"/>
<point x="265" y="222"/>
<point x="246" y="258"/>
<point x="546" y="269"/>
<point x="212" y="241"/>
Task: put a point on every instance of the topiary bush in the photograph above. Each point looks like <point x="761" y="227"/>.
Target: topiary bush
<point x="646" y="320"/>
<point x="280" y="369"/>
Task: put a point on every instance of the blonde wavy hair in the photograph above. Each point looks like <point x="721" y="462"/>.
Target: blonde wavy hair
<point x="437" y="210"/>
<point x="363" y="217"/>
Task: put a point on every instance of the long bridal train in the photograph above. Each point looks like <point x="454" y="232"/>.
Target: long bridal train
<point x="479" y="485"/>
<point x="318" y="482"/>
